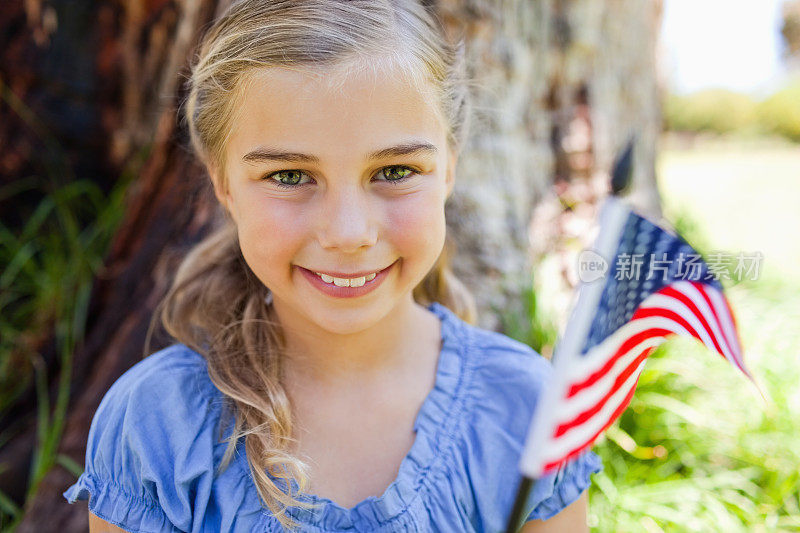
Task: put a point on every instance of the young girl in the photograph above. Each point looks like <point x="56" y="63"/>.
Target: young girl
<point x="328" y="376"/>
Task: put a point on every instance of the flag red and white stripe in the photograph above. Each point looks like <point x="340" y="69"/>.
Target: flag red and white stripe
<point x="600" y="385"/>
<point x="591" y="388"/>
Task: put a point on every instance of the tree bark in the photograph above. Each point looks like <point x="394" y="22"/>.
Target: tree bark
<point x="132" y="54"/>
<point x="562" y="83"/>
<point x="561" y="87"/>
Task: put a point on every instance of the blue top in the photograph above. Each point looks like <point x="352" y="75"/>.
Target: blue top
<point x="153" y="448"/>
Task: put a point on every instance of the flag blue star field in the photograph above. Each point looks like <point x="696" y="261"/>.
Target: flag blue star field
<point x="649" y="284"/>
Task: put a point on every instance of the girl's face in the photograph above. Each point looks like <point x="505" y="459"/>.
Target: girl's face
<point x="346" y="179"/>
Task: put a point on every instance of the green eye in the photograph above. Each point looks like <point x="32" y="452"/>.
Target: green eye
<point x="288" y="177"/>
<point x="396" y="173"/>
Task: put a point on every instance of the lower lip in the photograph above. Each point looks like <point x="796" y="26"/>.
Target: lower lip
<point x="345" y="292"/>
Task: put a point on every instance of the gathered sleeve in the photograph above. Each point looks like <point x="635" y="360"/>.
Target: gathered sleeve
<point x="150" y="454"/>
<point x="551" y="494"/>
<point x="510" y="377"/>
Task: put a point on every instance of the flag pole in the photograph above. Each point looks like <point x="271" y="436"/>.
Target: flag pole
<point x="620" y="181"/>
<point x="525" y="486"/>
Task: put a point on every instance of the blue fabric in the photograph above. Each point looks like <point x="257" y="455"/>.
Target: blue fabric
<point x="153" y="448"/>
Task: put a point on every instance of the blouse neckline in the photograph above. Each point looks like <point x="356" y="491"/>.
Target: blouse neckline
<point x="433" y="426"/>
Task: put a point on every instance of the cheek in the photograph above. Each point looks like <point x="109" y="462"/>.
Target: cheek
<point x="270" y="233"/>
<point x="417" y="223"/>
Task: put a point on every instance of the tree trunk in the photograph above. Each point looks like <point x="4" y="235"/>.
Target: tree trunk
<point x="130" y="56"/>
<point x="562" y="85"/>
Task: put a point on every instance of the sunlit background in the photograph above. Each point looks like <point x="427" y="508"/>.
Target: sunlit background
<point x="732" y="89"/>
<point x="698" y="450"/>
<point x="734" y="44"/>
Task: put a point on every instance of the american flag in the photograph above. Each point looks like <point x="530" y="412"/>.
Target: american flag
<point x="650" y="284"/>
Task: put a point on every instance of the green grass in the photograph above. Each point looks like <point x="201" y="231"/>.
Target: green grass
<point x="698" y="449"/>
<point x="45" y="288"/>
<point x="723" y="459"/>
<point x="49" y="265"/>
<point x="742" y="198"/>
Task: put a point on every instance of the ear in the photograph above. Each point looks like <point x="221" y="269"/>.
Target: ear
<point x="221" y="191"/>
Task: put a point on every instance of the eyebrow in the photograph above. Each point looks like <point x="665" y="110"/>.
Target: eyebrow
<point x="264" y="154"/>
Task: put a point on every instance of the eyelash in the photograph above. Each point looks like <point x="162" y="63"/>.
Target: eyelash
<point x="288" y="186"/>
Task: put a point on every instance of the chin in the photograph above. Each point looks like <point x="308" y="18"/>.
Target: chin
<point x="346" y="322"/>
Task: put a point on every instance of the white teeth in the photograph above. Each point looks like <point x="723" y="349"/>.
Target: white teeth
<point x="344" y="282"/>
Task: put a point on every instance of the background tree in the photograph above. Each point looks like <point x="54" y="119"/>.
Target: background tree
<point x="90" y="92"/>
<point x="790" y="31"/>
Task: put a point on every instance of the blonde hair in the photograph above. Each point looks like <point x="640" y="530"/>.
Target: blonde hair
<point x="216" y="305"/>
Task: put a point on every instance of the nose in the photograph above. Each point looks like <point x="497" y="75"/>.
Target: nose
<point x="347" y="220"/>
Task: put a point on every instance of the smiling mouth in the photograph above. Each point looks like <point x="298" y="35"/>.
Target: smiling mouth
<point x="342" y="280"/>
<point x="346" y="282"/>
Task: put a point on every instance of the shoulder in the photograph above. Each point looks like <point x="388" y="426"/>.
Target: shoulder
<point x="173" y="367"/>
<point x="507" y="380"/>
<point x="152" y="443"/>
<point x="162" y="400"/>
<point x="175" y="377"/>
<point x="507" y="371"/>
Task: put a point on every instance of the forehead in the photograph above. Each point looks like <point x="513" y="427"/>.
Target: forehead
<point x="354" y="107"/>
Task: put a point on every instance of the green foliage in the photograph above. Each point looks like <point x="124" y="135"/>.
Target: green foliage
<point x="780" y="113"/>
<point x="698" y="450"/>
<point x="49" y="265"/>
<point x="722" y="112"/>
<point x="715" y="110"/>
<point x="535" y="328"/>
<point x="687" y="227"/>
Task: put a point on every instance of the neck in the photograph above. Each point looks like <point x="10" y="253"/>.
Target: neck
<point x="328" y="359"/>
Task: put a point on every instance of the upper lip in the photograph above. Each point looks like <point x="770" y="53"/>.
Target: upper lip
<point x="346" y="275"/>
